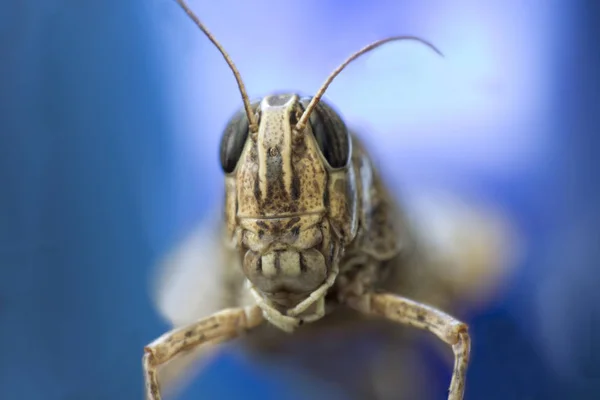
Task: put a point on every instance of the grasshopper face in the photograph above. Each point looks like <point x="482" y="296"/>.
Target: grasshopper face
<point x="290" y="203"/>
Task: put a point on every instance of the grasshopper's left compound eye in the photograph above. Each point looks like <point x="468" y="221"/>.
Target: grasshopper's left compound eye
<point x="331" y="134"/>
<point x="233" y="141"/>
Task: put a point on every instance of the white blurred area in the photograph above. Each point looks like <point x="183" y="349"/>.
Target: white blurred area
<point x="481" y="108"/>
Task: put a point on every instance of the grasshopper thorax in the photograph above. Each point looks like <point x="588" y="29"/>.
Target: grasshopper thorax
<point x="290" y="202"/>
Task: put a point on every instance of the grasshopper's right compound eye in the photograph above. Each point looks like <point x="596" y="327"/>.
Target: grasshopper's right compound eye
<point x="330" y="132"/>
<point x="233" y="141"/>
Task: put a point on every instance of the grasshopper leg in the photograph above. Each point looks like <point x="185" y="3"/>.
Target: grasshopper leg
<point x="444" y="326"/>
<point x="220" y="326"/>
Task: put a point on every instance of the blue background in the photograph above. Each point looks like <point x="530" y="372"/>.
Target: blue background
<point x="109" y="120"/>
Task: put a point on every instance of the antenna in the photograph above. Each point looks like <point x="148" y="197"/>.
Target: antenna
<point x="304" y="118"/>
<point x="236" y="73"/>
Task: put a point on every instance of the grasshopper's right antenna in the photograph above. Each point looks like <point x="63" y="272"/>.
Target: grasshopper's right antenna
<point x="236" y="73"/>
<point x="309" y="108"/>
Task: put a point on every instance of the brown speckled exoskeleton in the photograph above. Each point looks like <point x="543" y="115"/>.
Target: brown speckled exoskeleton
<point x="309" y="227"/>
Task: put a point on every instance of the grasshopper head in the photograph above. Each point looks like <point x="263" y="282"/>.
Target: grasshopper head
<point x="290" y="201"/>
<point x="290" y="192"/>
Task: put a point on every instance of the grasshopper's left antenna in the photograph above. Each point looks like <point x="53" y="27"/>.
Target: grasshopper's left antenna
<point x="304" y="118"/>
<point x="236" y="73"/>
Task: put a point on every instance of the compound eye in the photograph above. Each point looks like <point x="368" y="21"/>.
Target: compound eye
<point x="331" y="134"/>
<point x="233" y="140"/>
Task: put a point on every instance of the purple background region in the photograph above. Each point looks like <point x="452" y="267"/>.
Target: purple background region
<point x="110" y="119"/>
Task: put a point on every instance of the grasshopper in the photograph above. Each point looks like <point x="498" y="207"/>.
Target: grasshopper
<point x="309" y="227"/>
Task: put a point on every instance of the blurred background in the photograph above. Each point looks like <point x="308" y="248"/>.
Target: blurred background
<point x="110" y="119"/>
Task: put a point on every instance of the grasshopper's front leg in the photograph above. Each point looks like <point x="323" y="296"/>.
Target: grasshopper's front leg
<point x="220" y="326"/>
<point x="444" y="326"/>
